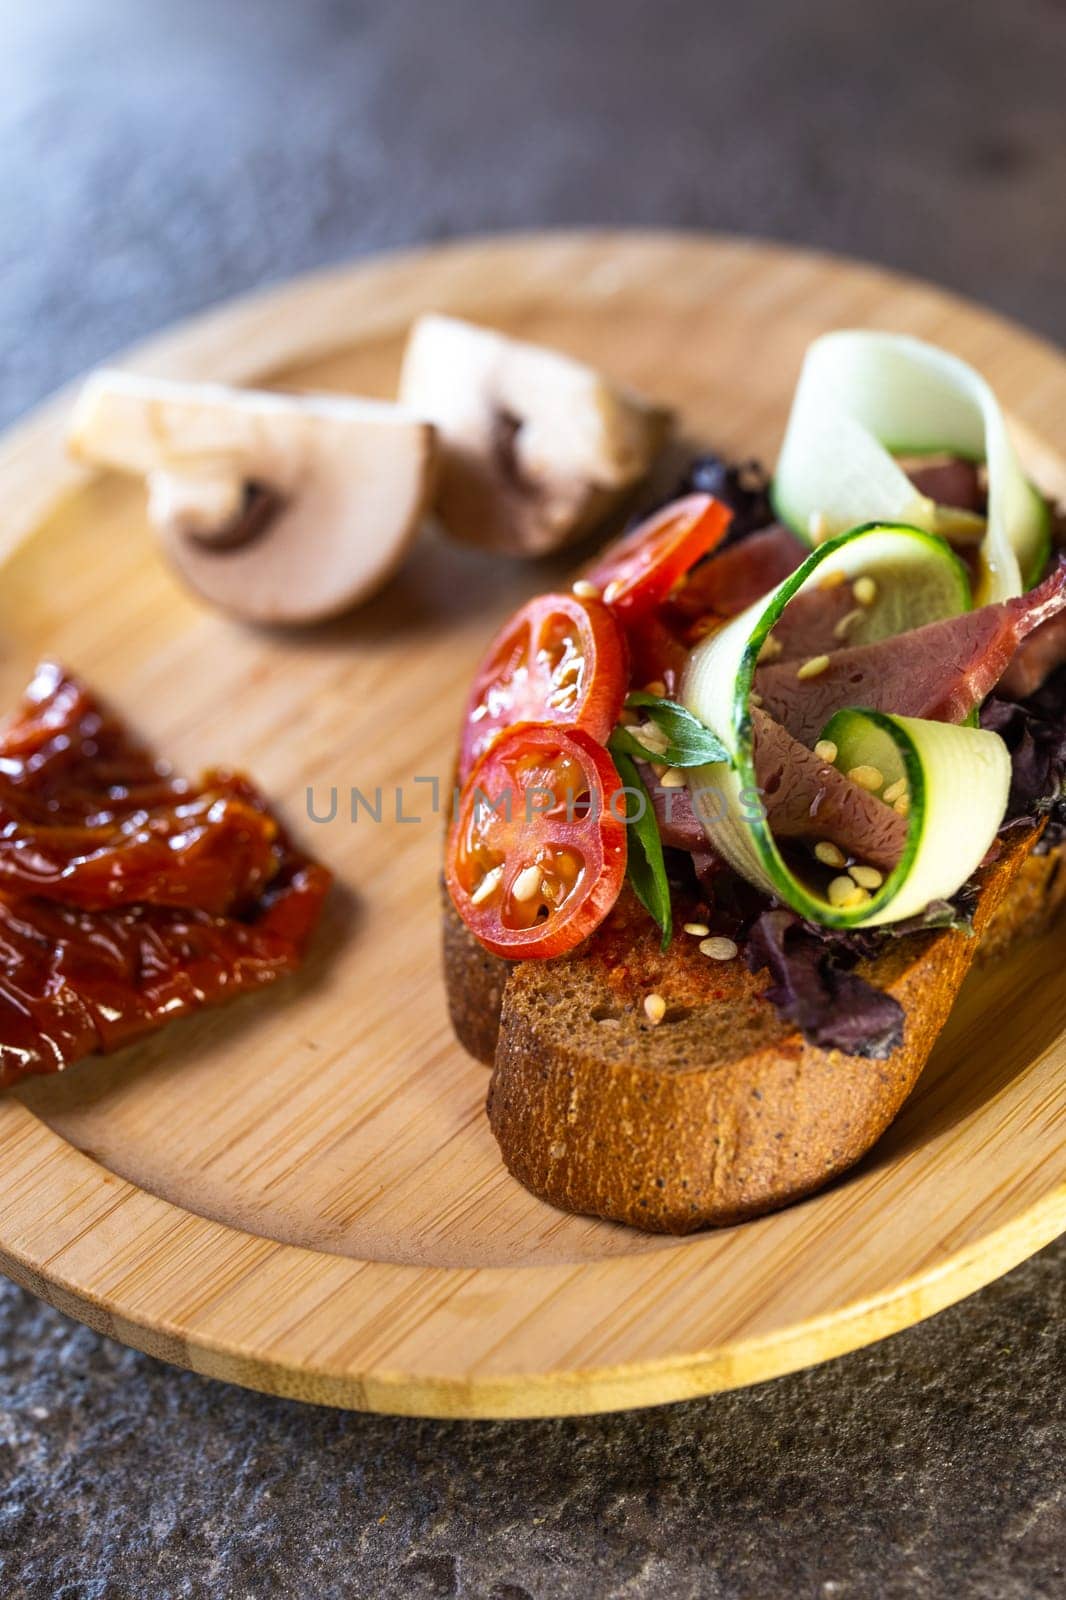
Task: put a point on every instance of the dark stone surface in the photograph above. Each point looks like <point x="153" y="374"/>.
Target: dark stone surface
<point x="929" y="1464"/>
<point x="158" y="155"/>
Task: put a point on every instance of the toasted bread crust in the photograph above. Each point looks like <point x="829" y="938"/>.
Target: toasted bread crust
<point x="1031" y="904"/>
<point x="723" y="1111"/>
<point x="474" y="982"/>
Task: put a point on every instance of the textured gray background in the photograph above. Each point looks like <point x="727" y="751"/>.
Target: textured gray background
<point x="158" y="155"/>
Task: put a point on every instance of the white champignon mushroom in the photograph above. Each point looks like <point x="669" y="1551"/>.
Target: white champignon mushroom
<point x="536" y="449"/>
<point x="278" y="508"/>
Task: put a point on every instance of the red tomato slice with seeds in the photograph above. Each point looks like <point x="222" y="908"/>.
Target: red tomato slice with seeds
<point x="638" y="572"/>
<point x="537" y="852"/>
<point x="559" y="659"/>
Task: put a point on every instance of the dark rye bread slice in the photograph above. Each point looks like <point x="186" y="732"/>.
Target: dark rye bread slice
<point x="474" y="982"/>
<point x="722" y="1111"/>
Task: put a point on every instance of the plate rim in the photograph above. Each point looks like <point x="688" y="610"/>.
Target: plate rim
<point x="41" y="1252"/>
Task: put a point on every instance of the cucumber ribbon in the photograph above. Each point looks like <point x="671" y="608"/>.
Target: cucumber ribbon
<point x="862" y="395"/>
<point x="957" y="778"/>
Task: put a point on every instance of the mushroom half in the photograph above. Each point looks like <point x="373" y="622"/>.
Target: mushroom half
<point x="536" y="449"/>
<point x="279" y="508"/>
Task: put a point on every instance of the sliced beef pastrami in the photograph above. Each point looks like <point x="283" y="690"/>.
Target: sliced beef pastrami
<point x="738" y="575"/>
<point x="950" y="483"/>
<point x="1035" y="660"/>
<point x="657" y="649"/>
<point x="680" y="829"/>
<point x="814" y="623"/>
<point x="679" y="826"/>
<point x="807" y="798"/>
<point x="939" y="672"/>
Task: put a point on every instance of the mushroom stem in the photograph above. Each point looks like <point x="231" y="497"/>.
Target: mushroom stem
<point x="279" y="508"/>
<point x="260" y="504"/>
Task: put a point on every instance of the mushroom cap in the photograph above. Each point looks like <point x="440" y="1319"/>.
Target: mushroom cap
<point x="348" y="481"/>
<point x="535" y="446"/>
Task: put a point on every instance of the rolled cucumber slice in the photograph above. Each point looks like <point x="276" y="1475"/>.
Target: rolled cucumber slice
<point x="862" y="395"/>
<point x="957" y="778"/>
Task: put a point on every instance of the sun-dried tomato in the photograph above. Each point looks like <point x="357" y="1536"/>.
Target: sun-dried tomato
<point x="128" y="896"/>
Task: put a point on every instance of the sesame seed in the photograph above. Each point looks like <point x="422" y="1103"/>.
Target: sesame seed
<point x="846" y="623"/>
<point x="526" y="884"/>
<point x="832" y="580"/>
<point x="489" y="883"/>
<point x="867" y="877"/>
<point x="656" y="687"/>
<point x="705" y="627"/>
<point x="812" y="668"/>
<point x="826" y="750"/>
<point x="557" y="1150"/>
<point x="698" y="930"/>
<point x="755" y="699"/>
<point x="567" y="865"/>
<point x="894" y="790"/>
<point x="867" y="777"/>
<point x="612" y="591"/>
<point x="771" y="648"/>
<point x="673" y="778"/>
<point x="718" y="948"/>
<point x="829" y="854"/>
<point x="585" y="590"/>
<point x="843" y="892"/>
<point x="653" y="737"/>
<point x="902" y="806"/>
<point x="609" y="1022"/>
<point x="654" y="1008"/>
<point x="865" y="591"/>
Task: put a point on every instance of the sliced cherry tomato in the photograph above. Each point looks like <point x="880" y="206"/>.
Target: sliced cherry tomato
<point x="638" y="571"/>
<point x="537" y="851"/>
<point x="559" y="659"/>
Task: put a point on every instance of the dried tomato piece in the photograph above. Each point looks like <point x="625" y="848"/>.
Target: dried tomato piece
<point x="90" y="818"/>
<point x="76" y="983"/>
<point x="204" y="897"/>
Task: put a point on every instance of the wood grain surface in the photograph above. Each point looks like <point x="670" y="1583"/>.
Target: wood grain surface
<point x="302" y="1194"/>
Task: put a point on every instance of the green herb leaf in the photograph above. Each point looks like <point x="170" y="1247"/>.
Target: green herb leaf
<point x="645" y="867"/>
<point x="689" y="743"/>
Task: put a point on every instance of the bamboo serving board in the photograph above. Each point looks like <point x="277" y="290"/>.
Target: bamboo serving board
<point x="302" y="1194"/>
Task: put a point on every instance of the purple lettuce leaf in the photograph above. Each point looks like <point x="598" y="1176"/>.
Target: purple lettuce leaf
<point x="1034" y="731"/>
<point x="815" y="988"/>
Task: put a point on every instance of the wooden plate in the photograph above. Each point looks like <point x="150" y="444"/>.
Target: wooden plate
<point x="302" y="1194"/>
